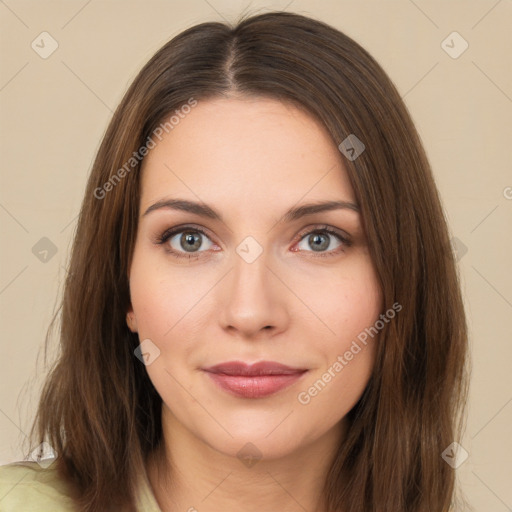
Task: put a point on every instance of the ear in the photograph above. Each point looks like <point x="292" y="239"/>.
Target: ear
<point x="131" y="320"/>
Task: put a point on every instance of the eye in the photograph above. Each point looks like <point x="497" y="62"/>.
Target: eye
<point x="191" y="241"/>
<point x="185" y="241"/>
<point x="323" y="241"/>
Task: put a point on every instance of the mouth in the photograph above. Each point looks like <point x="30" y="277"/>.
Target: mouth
<point x="253" y="380"/>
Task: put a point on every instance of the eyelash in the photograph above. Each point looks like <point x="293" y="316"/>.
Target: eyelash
<point x="166" y="235"/>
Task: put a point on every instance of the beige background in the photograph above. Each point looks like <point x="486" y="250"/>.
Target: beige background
<point x="55" y="110"/>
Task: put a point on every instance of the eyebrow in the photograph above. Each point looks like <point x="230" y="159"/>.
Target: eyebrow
<point x="292" y="214"/>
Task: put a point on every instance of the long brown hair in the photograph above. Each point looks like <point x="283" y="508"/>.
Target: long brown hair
<point x="98" y="408"/>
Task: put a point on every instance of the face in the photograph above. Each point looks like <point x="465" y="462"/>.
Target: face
<point x="244" y="280"/>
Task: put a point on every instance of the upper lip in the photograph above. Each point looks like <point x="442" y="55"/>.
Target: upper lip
<point x="260" y="368"/>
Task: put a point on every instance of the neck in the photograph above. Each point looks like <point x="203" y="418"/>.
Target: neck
<point x="187" y="474"/>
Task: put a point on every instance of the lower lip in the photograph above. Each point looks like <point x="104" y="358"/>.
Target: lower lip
<point x="256" y="386"/>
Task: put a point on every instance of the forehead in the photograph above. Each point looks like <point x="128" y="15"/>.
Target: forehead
<point x="247" y="151"/>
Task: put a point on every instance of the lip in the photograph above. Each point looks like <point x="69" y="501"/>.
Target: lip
<point x="256" y="380"/>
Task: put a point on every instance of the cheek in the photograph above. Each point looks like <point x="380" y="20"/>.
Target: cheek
<point x="349" y="305"/>
<point x="150" y="305"/>
<point x="358" y="308"/>
<point x="162" y="299"/>
<point x="344" y="302"/>
<point x="357" y="312"/>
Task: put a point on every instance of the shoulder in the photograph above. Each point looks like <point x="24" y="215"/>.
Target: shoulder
<point x="30" y="487"/>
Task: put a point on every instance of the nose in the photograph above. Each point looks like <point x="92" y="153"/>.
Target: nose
<point x="253" y="300"/>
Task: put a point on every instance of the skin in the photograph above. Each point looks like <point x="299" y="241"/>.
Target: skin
<point x="250" y="159"/>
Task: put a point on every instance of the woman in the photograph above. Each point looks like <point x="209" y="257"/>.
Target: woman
<point x="262" y="309"/>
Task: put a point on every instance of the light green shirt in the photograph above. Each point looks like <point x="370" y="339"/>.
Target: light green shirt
<point x="28" y="487"/>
